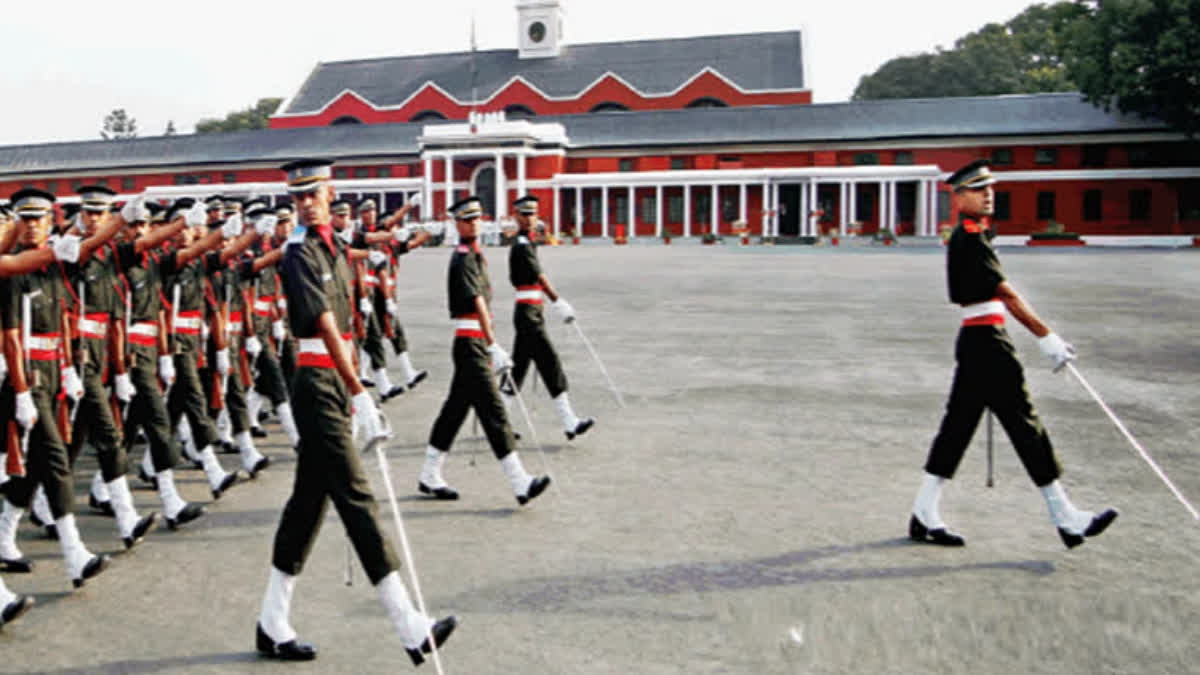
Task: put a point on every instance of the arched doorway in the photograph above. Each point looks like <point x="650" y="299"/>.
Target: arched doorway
<point x="483" y="185"/>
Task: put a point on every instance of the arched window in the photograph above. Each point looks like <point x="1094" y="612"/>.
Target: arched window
<point x="609" y="106"/>
<point x="345" y="119"/>
<point x="427" y="116"/>
<point x="708" y="102"/>
<point x="516" y="111"/>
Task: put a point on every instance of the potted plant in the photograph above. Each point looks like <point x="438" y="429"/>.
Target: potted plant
<point x="742" y="231"/>
<point x="886" y="236"/>
<point x="708" y="238"/>
<point x="1055" y="234"/>
<point x="569" y="233"/>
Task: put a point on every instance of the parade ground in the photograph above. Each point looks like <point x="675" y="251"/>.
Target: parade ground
<point x="745" y="512"/>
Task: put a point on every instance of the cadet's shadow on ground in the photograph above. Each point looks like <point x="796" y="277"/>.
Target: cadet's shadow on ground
<point x="577" y="593"/>
<point x="157" y="665"/>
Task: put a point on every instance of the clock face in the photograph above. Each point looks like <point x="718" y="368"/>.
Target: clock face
<point x="537" y="31"/>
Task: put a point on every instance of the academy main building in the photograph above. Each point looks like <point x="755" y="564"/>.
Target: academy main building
<point x="677" y="137"/>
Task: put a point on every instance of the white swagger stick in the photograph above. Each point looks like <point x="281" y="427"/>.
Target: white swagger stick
<point x="83" y="344"/>
<point x="603" y="371"/>
<point x="1133" y="441"/>
<point x="26" y="322"/>
<point x="171" y="335"/>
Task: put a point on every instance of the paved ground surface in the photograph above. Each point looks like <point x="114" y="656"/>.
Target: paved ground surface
<point x="744" y="514"/>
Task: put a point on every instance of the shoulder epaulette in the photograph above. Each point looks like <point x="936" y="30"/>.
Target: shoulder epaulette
<point x="297" y="235"/>
<point x="972" y="227"/>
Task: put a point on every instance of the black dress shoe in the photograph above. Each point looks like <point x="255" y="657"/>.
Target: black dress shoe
<point x="261" y="464"/>
<point x="938" y="535"/>
<point x="537" y="487"/>
<point x="95" y="566"/>
<point x="366" y="383"/>
<point x="292" y="650"/>
<point x="258" y="432"/>
<point x="441" y="631"/>
<point x="446" y="493"/>
<point x="140" y="530"/>
<point x="49" y="528"/>
<point x="187" y="514"/>
<point x="105" y="508"/>
<point x="581" y="428"/>
<point x="15" y="609"/>
<point x="228" y="448"/>
<point x="417" y="378"/>
<point x="1099" y="524"/>
<point x="226" y="483"/>
<point x="263" y="416"/>
<point x="16" y="565"/>
<point x="147" y="478"/>
<point x="393" y="392"/>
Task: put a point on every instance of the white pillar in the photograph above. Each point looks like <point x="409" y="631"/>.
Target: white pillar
<point x="427" y="191"/>
<point x="814" y="203"/>
<point x="843" y="217"/>
<point x="742" y="204"/>
<point x="579" y="211"/>
<point x="557" y="207"/>
<point x="631" y="224"/>
<point x="766" y="209"/>
<point x="687" y="210"/>
<point x="893" y="216"/>
<point x="449" y="184"/>
<point x="881" y="207"/>
<point x="716" y="193"/>
<point x="658" y="210"/>
<point x="501" y="189"/>
<point x="801" y="217"/>
<point x="604" y="212"/>
<point x="919" y="225"/>
<point x="852" y="198"/>
<point x="521" y="189"/>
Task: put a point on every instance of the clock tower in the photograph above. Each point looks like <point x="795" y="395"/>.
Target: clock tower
<point x="540" y="28"/>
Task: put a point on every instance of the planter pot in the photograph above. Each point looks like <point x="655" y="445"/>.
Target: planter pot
<point x="666" y="240"/>
<point x="833" y="241"/>
<point x="575" y="240"/>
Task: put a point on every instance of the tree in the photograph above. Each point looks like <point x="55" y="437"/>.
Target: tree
<point x="170" y="128"/>
<point x="1141" y="56"/>
<point x="1023" y="55"/>
<point x="118" y="125"/>
<point x="254" y="117"/>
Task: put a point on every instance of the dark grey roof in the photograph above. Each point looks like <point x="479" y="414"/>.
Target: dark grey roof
<point x="1026" y="115"/>
<point x="753" y="61"/>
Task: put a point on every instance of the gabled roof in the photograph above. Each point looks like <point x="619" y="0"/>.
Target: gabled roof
<point x="753" y="62"/>
<point x="865" y="121"/>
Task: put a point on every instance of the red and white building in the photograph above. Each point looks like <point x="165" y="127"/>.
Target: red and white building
<point x="681" y="137"/>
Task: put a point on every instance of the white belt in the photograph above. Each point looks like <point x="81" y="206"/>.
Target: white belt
<point x="192" y="322"/>
<point x="45" y="343"/>
<point x="372" y="280"/>
<point x="91" y="326"/>
<point x="467" y="324"/>
<point x="982" y="309"/>
<point x="145" y="329"/>
<point x="262" y="305"/>
<point x="235" y="327"/>
<point x="314" y="345"/>
<point x="529" y="295"/>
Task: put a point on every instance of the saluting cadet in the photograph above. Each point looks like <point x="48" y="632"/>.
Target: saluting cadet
<point x="372" y="279"/>
<point x="287" y="346"/>
<point x="473" y="385"/>
<point x="39" y="368"/>
<point x="316" y="281"/>
<point x="99" y="309"/>
<point x="988" y="374"/>
<point x="532" y="343"/>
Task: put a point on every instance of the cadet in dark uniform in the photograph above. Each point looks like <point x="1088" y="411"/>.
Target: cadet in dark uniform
<point x="373" y="279"/>
<point x="39" y="365"/>
<point x="988" y="374"/>
<point x="532" y="342"/>
<point x="473" y="385"/>
<point x="316" y="282"/>
<point x="287" y="346"/>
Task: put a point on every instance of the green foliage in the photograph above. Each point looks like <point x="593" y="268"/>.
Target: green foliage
<point x="118" y="125"/>
<point x="1140" y="56"/>
<point x="254" y="117"/>
<point x="1024" y="55"/>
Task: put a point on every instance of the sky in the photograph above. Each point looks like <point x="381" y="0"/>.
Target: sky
<point x="161" y="64"/>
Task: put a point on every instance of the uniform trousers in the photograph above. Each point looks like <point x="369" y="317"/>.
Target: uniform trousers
<point x="533" y="344"/>
<point x="47" y="462"/>
<point x="473" y="387"/>
<point x="188" y="397"/>
<point x="94" y="423"/>
<point x="148" y="410"/>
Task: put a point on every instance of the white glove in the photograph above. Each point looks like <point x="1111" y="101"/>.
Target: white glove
<point x="392" y="307"/>
<point x="196" y="216"/>
<point x="71" y="384"/>
<point x="501" y="361"/>
<point x="281" y="303"/>
<point x="376" y="258"/>
<point x="26" y="412"/>
<point x="401" y="234"/>
<point x="223" y="361"/>
<point x="365" y="307"/>
<point x="3" y="367"/>
<point x="135" y="210"/>
<point x="166" y="370"/>
<point x="123" y="387"/>
<point x="278" y="331"/>
<point x="233" y="227"/>
<point x="416" y="200"/>
<point x="1057" y="350"/>
<point x="253" y="347"/>
<point x="265" y="225"/>
<point x="203" y="333"/>
<point x="367" y="416"/>
<point x="66" y="247"/>
<point x="564" y="310"/>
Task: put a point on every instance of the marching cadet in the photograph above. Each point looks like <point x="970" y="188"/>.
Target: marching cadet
<point x="99" y="308"/>
<point x="39" y="368"/>
<point x="473" y="385"/>
<point x="287" y="347"/>
<point x="149" y="347"/>
<point x="532" y="343"/>
<point x="316" y="281"/>
<point x="988" y="374"/>
<point x="385" y="308"/>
